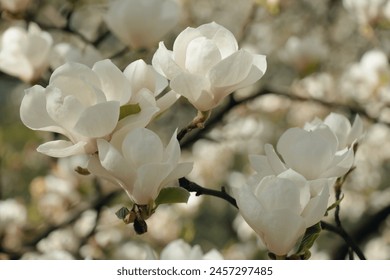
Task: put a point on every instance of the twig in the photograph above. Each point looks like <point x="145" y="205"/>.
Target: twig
<point x="348" y="240"/>
<point x="198" y="190"/>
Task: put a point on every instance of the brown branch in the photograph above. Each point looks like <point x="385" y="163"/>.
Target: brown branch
<point x="198" y="190"/>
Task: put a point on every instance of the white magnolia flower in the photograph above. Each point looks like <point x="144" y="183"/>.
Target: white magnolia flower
<point x="139" y="164"/>
<point x="25" y="54"/>
<point x="280" y="208"/>
<point x="205" y="65"/>
<point x="180" y="250"/>
<point x="142" y="23"/>
<point x="15" y="6"/>
<point x="314" y="154"/>
<point x="341" y="127"/>
<point x="82" y="104"/>
<point x="144" y="78"/>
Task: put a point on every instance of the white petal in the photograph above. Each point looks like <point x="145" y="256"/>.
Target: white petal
<point x="273" y="159"/>
<point x="113" y="83"/>
<point x="341" y="163"/>
<point x="142" y="146"/>
<point x="202" y="54"/>
<point x="114" y="162"/>
<point x="181" y="43"/>
<point x="356" y="130"/>
<point x="148" y="184"/>
<point x="167" y="100"/>
<point x="281" y="231"/>
<point x="341" y="126"/>
<point x="181" y="170"/>
<point x="33" y="111"/>
<point x="316" y="208"/>
<point x="164" y="64"/>
<point x="98" y="120"/>
<point x="308" y="152"/>
<point x="62" y="148"/>
<point x="277" y="193"/>
<point x="232" y="70"/>
<point x="222" y="37"/>
<point x="64" y="110"/>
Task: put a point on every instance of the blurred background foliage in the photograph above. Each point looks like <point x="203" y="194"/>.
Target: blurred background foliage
<point x="311" y="47"/>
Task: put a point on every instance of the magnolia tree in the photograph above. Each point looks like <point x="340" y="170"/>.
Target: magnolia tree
<point x="159" y="133"/>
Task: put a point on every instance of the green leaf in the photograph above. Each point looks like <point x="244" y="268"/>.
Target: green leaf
<point x="308" y="240"/>
<point x="122" y="213"/>
<point x="172" y="195"/>
<point x="127" y="110"/>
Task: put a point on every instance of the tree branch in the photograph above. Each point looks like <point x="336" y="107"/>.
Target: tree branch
<point x="198" y="190"/>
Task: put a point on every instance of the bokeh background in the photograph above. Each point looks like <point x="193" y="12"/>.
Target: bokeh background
<point x="323" y="56"/>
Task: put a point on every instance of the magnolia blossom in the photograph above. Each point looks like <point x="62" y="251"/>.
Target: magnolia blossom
<point x="314" y="154"/>
<point x="205" y="65"/>
<point x="83" y="104"/>
<point x="144" y="78"/>
<point x="180" y="250"/>
<point x="142" y="23"/>
<point x="139" y="164"/>
<point x="15" y="6"/>
<point x="280" y="207"/>
<point x="25" y="54"/>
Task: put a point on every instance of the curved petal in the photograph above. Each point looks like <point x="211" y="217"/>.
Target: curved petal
<point x="341" y="163"/>
<point x="261" y="165"/>
<point x="194" y="88"/>
<point x="356" y="130"/>
<point x="316" y="208"/>
<point x="98" y="120"/>
<point x="181" y="43"/>
<point x="281" y="231"/>
<point x="273" y="159"/>
<point x="113" y="83"/>
<point x="167" y="100"/>
<point x="308" y="152"/>
<point x="164" y="64"/>
<point x="249" y="207"/>
<point x="142" y="146"/>
<point x="341" y="126"/>
<point x="202" y="54"/>
<point x="181" y="170"/>
<point x="231" y="70"/>
<point x="141" y="76"/>
<point x="148" y="184"/>
<point x="278" y="193"/>
<point x="114" y="162"/>
<point x="33" y="111"/>
<point x="222" y="37"/>
<point x="62" y="148"/>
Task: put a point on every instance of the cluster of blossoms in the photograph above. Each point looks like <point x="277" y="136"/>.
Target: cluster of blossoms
<point x="103" y="111"/>
<point x="286" y="197"/>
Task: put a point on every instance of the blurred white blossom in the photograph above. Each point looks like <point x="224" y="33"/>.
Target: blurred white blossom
<point x="180" y="250"/>
<point x="205" y="65"/>
<point x="142" y="23"/>
<point x="12" y="213"/>
<point x="66" y="52"/>
<point x="304" y="54"/>
<point x="368" y="11"/>
<point x="139" y="164"/>
<point x="25" y="53"/>
<point x="15" y="6"/>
